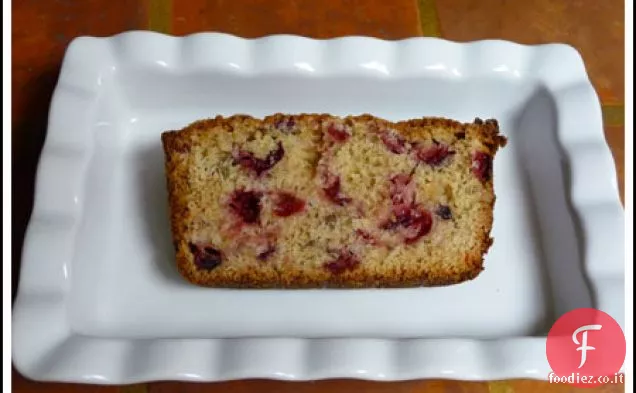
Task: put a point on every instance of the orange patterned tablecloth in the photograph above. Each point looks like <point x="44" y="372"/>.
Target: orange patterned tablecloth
<point x="42" y="29"/>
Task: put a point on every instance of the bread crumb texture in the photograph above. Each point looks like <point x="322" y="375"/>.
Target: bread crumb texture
<point x="313" y="200"/>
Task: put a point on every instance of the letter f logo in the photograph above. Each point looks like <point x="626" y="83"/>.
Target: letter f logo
<point x="584" y="347"/>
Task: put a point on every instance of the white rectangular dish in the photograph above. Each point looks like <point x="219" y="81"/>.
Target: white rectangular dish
<point x="98" y="269"/>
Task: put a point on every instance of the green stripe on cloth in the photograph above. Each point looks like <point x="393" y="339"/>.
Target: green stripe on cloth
<point x="137" y="388"/>
<point x="499" y="387"/>
<point x="614" y="115"/>
<point x="429" y="21"/>
<point x="160" y="16"/>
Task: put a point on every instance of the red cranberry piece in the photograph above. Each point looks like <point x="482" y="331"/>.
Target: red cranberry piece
<point x="434" y="155"/>
<point x="402" y="190"/>
<point x="332" y="190"/>
<point x="286" y="204"/>
<point x="400" y="180"/>
<point x="275" y="155"/>
<point x="402" y="216"/>
<point x="247" y="159"/>
<point x="394" y="142"/>
<point x="390" y="224"/>
<point x="482" y="165"/>
<point x="285" y="125"/>
<point x="247" y="205"/>
<point x="338" y="132"/>
<point x="268" y="252"/>
<point x="444" y="212"/>
<point x="206" y="257"/>
<point x="413" y="223"/>
<point x="346" y="260"/>
<point x="420" y="225"/>
<point x="367" y="237"/>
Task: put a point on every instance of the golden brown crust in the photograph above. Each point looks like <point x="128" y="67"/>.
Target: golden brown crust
<point x="293" y="280"/>
<point x="177" y="186"/>
<point x="177" y="145"/>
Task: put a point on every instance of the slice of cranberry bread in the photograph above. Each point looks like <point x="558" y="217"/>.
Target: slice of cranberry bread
<point x="320" y="201"/>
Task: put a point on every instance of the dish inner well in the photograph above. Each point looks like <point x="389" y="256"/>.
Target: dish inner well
<point x="124" y="280"/>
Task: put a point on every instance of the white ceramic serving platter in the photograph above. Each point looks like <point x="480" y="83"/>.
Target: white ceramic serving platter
<point x="100" y="299"/>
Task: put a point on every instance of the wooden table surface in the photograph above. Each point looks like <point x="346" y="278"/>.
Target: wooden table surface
<point x="42" y="30"/>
